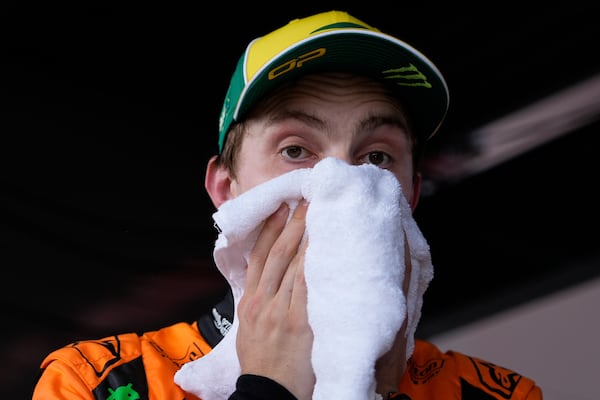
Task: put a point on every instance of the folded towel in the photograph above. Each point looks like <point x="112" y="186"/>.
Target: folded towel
<point x="357" y="223"/>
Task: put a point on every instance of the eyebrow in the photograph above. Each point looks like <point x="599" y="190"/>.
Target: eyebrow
<point x="309" y="119"/>
<point x="366" y="125"/>
<point x="374" y="121"/>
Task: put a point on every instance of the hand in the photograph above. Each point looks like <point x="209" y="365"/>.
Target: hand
<point x="274" y="338"/>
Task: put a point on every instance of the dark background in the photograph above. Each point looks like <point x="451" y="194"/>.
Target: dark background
<point x="109" y="114"/>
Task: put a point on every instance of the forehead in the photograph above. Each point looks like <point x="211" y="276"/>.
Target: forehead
<point x="335" y="91"/>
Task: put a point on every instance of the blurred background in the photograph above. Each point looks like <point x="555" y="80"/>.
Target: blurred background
<point x="110" y="112"/>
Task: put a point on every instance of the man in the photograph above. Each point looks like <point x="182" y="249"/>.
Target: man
<point x="324" y="87"/>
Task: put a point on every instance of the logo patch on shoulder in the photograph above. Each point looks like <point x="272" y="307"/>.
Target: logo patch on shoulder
<point x="421" y="374"/>
<point x="495" y="378"/>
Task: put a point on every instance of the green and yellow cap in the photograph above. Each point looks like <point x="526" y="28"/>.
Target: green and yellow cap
<point x="336" y="41"/>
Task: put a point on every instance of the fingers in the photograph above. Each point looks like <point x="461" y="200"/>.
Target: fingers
<point x="299" y="291"/>
<point x="270" y="232"/>
<point x="275" y="249"/>
<point x="272" y="311"/>
<point x="292" y="290"/>
<point x="283" y="251"/>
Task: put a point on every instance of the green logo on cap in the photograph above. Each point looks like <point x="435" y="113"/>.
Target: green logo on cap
<point x="407" y="76"/>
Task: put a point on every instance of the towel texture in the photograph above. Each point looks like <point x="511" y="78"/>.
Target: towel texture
<point x="357" y="223"/>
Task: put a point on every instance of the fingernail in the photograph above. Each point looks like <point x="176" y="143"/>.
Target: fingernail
<point x="283" y="209"/>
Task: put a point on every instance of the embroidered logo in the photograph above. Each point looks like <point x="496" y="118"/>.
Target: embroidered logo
<point x="421" y="374"/>
<point x="496" y="379"/>
<point x="122" y="393"/>
<point x="221" y="323"/>
<point x="407" y="76"/>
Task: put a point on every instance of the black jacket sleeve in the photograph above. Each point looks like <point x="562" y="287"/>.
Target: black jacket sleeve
<point x="254" y="387"/>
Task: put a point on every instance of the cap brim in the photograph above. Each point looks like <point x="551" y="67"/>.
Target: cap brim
<point x="409" y="74"/>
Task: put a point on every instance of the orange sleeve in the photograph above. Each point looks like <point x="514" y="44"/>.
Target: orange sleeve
<point x="122" y="365"/>
<point x="59" y="381"/>
<point x="434" y="374"/>
<point x="494" y="379"/>
<point x="535" y="394"/>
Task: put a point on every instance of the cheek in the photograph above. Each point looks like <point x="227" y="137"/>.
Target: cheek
<point x="408" y="194"/>
<point x="256" y="167"/>
<point x="408" y="189"/>
<point x="248" y="177"/>
<point x="248" y="171"/>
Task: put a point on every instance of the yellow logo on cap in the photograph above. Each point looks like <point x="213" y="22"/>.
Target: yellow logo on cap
<point x="296" y="63"/>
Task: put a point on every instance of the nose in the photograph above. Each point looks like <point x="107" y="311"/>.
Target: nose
<point x="340" y="155"/>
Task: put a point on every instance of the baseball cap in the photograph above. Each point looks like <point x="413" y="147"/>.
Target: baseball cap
<point x="336" y="41"/>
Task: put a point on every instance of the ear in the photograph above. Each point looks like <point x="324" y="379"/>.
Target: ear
<point x="217" y="182"/>
<point x="416" y="192"/>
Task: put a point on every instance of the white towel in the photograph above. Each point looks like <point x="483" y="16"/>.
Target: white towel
<point x="357" y="221"/>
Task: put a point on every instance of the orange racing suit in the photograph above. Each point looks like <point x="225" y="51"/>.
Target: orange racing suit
<point x="133" y="366"/>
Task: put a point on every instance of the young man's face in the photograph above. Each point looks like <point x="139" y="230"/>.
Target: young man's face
<point x="334" y="115"/>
